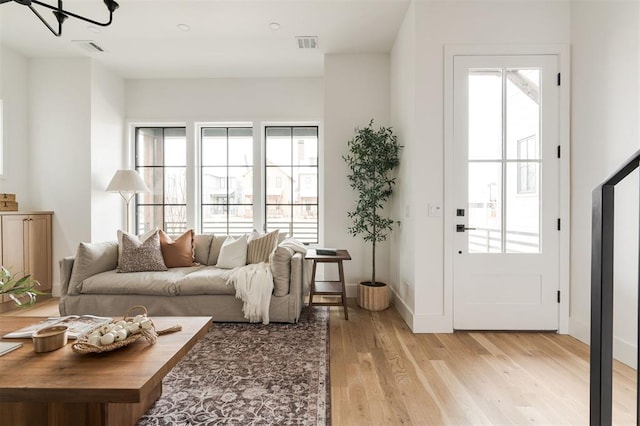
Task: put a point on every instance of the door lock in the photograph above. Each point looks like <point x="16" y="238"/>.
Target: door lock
<point x="462" y="228"/>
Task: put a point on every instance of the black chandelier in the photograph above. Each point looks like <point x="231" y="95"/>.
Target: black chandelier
<point x="62" y="14"/>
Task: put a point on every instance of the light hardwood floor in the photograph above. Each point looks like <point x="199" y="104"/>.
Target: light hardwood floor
<point x="382" y="374"/>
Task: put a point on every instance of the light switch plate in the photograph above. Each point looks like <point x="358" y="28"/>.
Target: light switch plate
<point x="435" y="210"/>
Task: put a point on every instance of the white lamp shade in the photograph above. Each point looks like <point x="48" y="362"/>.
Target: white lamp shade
<point x="127" y="181"/>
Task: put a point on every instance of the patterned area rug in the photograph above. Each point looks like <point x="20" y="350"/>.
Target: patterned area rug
<point x="250" y="374"/>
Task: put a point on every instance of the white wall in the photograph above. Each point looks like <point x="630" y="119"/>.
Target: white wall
<point x="230" y="99"/>
<point x="403" y="120"/>
<point x="14" y="91"/>
<point x="60" y="140"/>
<point x="438" y="24"/>
<point x="605" y="92"/>
<point x="107" y="151"/>
<point x="356" y="91"/>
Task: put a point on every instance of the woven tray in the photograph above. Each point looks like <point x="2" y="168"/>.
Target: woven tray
<point x="82" y="345"/>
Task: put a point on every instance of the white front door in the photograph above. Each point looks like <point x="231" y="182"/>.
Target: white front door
<point x="506" y="191"/>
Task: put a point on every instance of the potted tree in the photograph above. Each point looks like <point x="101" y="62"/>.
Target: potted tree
<point x="372" y="156"/>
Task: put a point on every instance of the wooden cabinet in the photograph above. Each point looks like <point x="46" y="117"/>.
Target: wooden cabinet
<point x="25" y="247"/>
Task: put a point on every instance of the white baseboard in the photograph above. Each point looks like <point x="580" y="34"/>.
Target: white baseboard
<point x="580" y="330"/>
<point x="405" y="312"/>
<point x="624" y="352"/>
<point x="421" y="323"/>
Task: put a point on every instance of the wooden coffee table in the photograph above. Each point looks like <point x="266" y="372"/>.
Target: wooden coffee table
<point x="111" y="388"/>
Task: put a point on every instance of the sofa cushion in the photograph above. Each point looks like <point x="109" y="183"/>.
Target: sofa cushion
<point x="177" y="252"/>
<point x="146" y="283"/>
<point x="141" y="256"/>
<point x="216" y="244"/>
<point x="207" y="280"/>
<point x="91" y="259"/>
<point x="261" y="246"/>
<point x="233" y="253"/>
<point x="202" y="246"/>
<point x="280" y="262"/>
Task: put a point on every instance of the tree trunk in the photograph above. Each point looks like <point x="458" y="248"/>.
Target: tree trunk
<point x="373" y="260"/>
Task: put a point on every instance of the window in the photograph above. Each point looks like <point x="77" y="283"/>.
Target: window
<point x="226" y="180"/>
<point x="212" y="185"/>
<point x="291" y="188"/>
<point x="527" y="171"/>
<point x="161" y="160"/>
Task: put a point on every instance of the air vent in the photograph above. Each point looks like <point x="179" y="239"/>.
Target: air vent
<point x="307" y="42"/>
<point x="88" y="45"/>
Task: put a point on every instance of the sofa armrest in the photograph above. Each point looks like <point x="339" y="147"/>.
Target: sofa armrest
<point x="66" y="266"/>
<point x="300" y="283"/>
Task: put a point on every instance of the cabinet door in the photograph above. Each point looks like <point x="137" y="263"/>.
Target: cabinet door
<point x="39" y="250"/>
<point x="15" y="229"/>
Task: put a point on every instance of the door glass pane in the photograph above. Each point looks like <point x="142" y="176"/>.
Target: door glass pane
<point x="523" y="112"/>
<point x="485" y="207"/>
<point x="485" y="114"/>
<point x="523" y="208"/>
<point x="509" y="222"/>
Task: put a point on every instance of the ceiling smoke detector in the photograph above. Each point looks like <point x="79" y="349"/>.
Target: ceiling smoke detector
<point x="88" y="45"/>
<point x="307" y="42"/>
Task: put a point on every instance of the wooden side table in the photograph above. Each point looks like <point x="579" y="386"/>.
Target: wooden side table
<point x="328" y="288"/>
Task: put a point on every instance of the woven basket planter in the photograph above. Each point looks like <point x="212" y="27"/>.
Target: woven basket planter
<point x="373" y="298"/>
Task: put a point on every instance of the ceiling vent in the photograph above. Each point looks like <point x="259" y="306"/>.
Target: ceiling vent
<point x="88" y="45"/>
<point x="307" y="42"/>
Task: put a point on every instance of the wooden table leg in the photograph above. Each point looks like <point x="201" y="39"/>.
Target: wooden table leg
<point x="344" y="290"/>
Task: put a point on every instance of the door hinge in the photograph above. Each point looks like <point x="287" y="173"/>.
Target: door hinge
<point x="558" y="151"/>
<point x="559" y="79"/>
<point x="558" y="224"/>
<point x="558" y="296"/>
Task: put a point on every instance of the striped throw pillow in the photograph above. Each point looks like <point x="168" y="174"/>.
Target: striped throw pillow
<point x="260" y="246"/>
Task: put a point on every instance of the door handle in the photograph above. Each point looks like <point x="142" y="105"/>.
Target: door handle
<point x="462" y="228"/>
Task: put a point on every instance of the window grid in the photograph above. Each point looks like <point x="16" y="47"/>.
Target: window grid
<point x="162" y="208"/>
<point x="292" y="206"/>
<point x="221" y="194"/>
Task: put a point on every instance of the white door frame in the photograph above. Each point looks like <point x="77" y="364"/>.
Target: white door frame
<point x="562" y="51"/>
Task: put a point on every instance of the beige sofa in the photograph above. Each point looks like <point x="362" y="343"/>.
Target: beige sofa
<point x="90" y="284"/>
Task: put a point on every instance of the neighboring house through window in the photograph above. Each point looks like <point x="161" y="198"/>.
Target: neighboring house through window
<point x="291" y="169"/>
<point x="527" y="171"/>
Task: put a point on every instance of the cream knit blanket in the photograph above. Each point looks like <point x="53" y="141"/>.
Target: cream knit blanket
<point x="254" y="285"/>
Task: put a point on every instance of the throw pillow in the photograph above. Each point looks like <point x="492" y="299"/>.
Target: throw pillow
<point x="142" y="237"/>
<point x="91" y="259"/>
<point x="280" y="262"/>
<point x="261" y="246"/>
<point x="202" y="244"/>
<point x="179" y="252"/>
<point x="139" y="256"/>
<point x="233" y="253"/>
